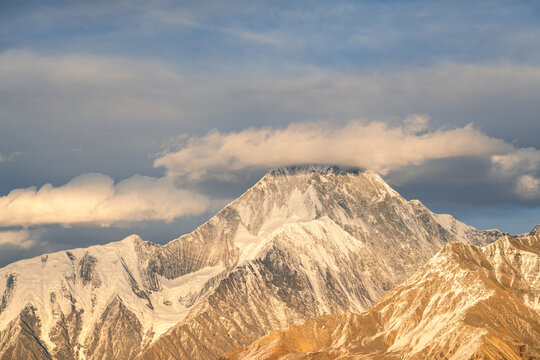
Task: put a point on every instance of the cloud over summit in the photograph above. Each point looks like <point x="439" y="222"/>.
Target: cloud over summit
<point x="374" y="145"/>
<point x="369" y="144"/>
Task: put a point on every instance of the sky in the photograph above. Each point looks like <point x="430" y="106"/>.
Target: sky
<point x="147" y="117"/>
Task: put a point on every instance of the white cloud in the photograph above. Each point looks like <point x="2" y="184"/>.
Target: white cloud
<point x="414" y="123"/>
<point x="528" y="187"/>
<point x="518" y="161"/>
<point x="521" y="166"/>
<point x="96" y="200"/>
<point x="373" y="145"/>
<point x="24" y="238"/>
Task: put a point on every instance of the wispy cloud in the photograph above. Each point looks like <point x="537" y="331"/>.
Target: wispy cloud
<point x="23" y="239"/>
<point x="10" y="156"/>
<point x="176" y="18"/>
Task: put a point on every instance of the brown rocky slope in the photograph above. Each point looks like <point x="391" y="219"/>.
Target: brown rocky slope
<point x="468" y="302"/>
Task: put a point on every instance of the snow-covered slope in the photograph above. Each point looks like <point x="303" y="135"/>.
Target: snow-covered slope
<point x="302" y="242"/>
<point x="73" y="289"/>
<point x="466" y="303"/>
<point x="311" y="241"/>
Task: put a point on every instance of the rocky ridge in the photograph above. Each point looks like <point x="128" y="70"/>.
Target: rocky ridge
<point x="466" y="303"/>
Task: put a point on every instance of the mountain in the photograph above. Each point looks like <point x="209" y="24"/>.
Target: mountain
<point x="302" y="242"/>
<point x="467" y="302"/>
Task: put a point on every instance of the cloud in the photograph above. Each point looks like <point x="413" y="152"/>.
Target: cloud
<point x="9" y="157"/>
<point x="103" y="104"/>
<point x="521" y="160"/>
<point x="528" y="187"/>
<point x="415" y="123"/>
<point x="180" y="19"/>
<point x="107" y="89"/>
<point x="368" y="144"/>
<point x="523" y="167"/>
<point x="94" y="199"/>
<point x="23" y="239"/>
<point x="374" y="145"/>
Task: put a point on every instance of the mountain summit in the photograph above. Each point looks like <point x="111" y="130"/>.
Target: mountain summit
<point x="302" y="242"/>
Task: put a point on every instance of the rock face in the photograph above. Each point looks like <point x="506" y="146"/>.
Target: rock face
<point x="20" y="339"/>
<point x="466" y="303"/>
<point x="118" y="332"/>
<point x="302" y="242"/>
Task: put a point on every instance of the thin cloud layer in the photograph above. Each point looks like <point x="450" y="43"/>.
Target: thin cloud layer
<point x="122" y="90"/>
<point x="94" y="199"/>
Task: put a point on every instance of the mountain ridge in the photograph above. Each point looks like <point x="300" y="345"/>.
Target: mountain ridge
<point x="466" y="302"/>
<point x="366" y="231"/>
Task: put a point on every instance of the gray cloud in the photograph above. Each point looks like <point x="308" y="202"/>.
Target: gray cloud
<point x="118" y="110"/>
<point x="67" y="88"/>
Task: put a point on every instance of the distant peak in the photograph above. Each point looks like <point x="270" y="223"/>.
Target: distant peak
<point x="132" y="238"/>
<point x="315" y="168"/>
<point x="535" y="230"/>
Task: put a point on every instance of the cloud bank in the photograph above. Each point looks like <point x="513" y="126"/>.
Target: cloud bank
<point x="109" y="89"/>
<point x="368" y="144"/>
<point x="94" y="199"/>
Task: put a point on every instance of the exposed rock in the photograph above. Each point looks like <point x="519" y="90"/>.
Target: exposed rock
<point x="87" y="270"/>
<point x="65" y="334"/>
<point x="137" y="290"/>
<point x="8" y="291"/>
<point x="117" y="335"/>
<point x="21" y="338"/>
<point x="535" y="230"/>
<point x="466" y="303"/>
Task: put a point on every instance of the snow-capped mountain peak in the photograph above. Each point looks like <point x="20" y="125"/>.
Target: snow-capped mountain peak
<point x="303" y="241"/>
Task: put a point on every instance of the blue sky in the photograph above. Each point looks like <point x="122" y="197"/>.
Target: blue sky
<point x="116" y="97"/>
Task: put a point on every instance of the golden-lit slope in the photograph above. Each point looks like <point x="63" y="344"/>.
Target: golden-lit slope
<point x="467" y="303"/>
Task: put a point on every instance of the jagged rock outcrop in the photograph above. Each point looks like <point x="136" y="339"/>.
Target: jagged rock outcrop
<point x="117" y="332"/>
<point x="21" y="338"/>
<point x="466" y="303"/>
<point x="302" y="242"/>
